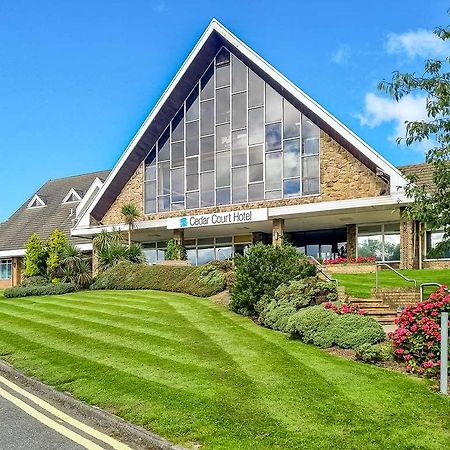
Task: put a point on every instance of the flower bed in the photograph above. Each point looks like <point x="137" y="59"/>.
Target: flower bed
<point x="358" y="260"/>
<point x="417" y="338"/>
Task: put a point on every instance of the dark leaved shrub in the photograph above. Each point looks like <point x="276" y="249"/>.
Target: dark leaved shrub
<point x="36" y="280"/>
<point x="261" y="270"/>
<point x="187" y="279"/>
<point x="48" y="289"/>
<point x="289" y="298"/>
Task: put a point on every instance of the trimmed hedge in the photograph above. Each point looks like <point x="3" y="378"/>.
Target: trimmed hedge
<point x="324" y="328"/>
<point x="35" y="290"/>
<point x="202" y="281"/>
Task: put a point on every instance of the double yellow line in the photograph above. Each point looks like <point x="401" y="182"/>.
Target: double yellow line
<point x="58" y="427"/>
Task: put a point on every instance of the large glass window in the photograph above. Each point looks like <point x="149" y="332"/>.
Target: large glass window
<point x="5" y="269"/>
<point x="434" y="238"/>
<point x="231" y="120"/>
<point x="381" y="241"/>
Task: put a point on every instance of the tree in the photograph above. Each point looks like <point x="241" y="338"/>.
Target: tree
<point x="130" y="214"/>
<point x="430" y="206"/>
<point x="175" y="251"/>
<point x="35" y="257"/>
<point x="55" y="246"/>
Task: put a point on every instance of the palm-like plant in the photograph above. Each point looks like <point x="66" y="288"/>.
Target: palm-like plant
<point x="111" y="255"/>
<point x="105" y="238"/>
<point x="130" y="214"/>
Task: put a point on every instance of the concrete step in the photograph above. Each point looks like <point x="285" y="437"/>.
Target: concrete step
<point x="369" y="308"/>
<point x="362" y="301"/>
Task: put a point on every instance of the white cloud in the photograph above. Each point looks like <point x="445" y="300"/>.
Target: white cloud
<point x="423" y="43"/>
<point x="342" y="54"/>
<point x="379" y="110"/>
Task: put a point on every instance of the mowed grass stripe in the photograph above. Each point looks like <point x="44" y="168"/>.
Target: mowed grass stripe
<point x="171" y="349"/>
<point x="174" y="405"/>
<point x="255" y="364"/>
<point x="262" y="391"/>
<point x="112" y="353"/>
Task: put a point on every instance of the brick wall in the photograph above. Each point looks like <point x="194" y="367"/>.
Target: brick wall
<point x="397" y="297"/>
<point x="342" y="177"/>
<point x="436" y="264"/>
<point x="351" y="268"/>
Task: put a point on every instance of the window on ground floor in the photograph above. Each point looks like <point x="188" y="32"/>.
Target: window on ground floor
<point x="5" y="269"/>
<point x="435" y="237"/>
<point x="381" y="241"/>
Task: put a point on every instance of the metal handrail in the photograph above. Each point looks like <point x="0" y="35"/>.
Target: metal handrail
<point x="430" y="284"/>
<point x="322" y="269"/>
<point x="409" y="280"/>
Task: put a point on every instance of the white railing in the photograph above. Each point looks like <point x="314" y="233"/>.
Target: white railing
<point x="409" y="280"/>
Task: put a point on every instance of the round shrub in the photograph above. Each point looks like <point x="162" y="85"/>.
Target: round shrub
<point x="36" y="280"/>
<point x="373" y="354"/>
<point x="314" y="325"/>
<point x="354" y="330"/>
<point x="417" y="338"/>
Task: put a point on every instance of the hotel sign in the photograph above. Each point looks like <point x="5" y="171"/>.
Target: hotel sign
<point x="222" y="218"/>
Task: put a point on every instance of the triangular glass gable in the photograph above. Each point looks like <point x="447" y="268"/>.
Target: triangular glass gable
<point x="234" y="140"/>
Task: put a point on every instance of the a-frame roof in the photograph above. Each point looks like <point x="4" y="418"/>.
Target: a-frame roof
<point x="214" y="37"/>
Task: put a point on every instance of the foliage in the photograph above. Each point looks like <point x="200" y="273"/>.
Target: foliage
<point x="417" y="338"/>
<point x="261" y="270"/>
<point x="374" y="353"/>
<point x="314" y="325"/>
<point x="324" y="327"/>
<point x="74" y="268"/>
<point x="36" y="280"/>
<point x="130" y="214"/>
<point x="129" y="276"/>
<point x="289" y="298"/>
<point x="35" y="257"/>
<point x="55" y="247"/>
<point x="174" y="251"/>
<point x="344" y="308"/>
<point x="358" y="260"/>
<point x="48" y="289"/>
<point x="212" y="276"/>
<point x="111" y="249"/>
<point x="354" y="330"/>
<point x="430" y="206"/>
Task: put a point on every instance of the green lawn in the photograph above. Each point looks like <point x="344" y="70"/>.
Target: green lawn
<point x="196" y="373"/>
<point x="360" y="285"/>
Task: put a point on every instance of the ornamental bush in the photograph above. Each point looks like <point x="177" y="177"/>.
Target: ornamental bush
<point x="417" y="338"/>
<point x="313" y="325"/>
<point x="374" y="353"/>
<point x="261" y="270"/>
<point x="35" y="257"/>
<point x="289" y="298"/>
<point x="48" y="289"/>
<point x="354" y="330"/>
<point x="55" y="247"/>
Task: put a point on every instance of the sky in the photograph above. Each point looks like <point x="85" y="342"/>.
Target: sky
<point x="77" y="79"/>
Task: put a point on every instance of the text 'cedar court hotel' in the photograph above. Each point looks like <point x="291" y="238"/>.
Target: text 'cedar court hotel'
<point x="233" y="153"/>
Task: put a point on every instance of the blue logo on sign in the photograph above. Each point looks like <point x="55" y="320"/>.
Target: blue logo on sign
<point x="183" y="222"/>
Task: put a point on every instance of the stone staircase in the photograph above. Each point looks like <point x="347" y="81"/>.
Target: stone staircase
<point x="375" y="308"/>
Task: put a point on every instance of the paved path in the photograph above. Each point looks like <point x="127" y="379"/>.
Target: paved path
<point x="27" y="422"/>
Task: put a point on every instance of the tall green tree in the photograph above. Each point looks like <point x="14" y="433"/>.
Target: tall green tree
<point x="130" y="214"/>
<point x="35" y="257"/>
<point x="431" y="206"/>
<point x="55" y="247"/>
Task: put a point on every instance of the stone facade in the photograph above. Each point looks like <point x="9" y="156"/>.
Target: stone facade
<point x="277" y="231"/>
<point x="351" y="268"/>
<point x="409" y="243"/>
<point x="351" y="241"/>
<point x="436" y="264"/>
<point x="342" y="177"/>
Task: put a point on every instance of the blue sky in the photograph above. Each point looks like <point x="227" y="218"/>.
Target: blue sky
<point x="78" y="78"/>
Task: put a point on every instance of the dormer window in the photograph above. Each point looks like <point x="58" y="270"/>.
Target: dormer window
<point x="72" y="197"/>
<point x="36" y="202"/>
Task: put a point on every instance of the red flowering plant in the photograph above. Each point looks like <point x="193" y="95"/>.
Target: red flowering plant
<point x="417" y="339"/>
<point x="344" y="308"/>
<point x="358" y="260"/>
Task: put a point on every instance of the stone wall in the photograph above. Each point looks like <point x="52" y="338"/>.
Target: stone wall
<point x="350" y="268"/>
<point x="351" y="240"/>
<point x="342" y="177"/>
<point x="436" y="264"/>
<point x="397" y="297"/>
<point x="409" y="243"/>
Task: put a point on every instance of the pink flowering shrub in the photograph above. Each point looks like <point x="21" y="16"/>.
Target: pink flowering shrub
<point x="344" y="308"/>
<point x="358" y="260"/>
<point x="416" y="341"/>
